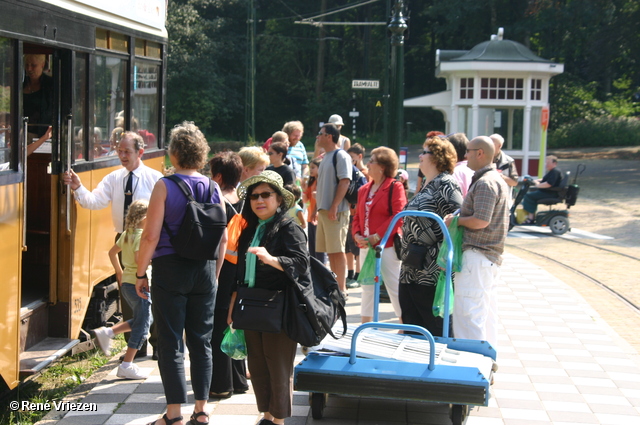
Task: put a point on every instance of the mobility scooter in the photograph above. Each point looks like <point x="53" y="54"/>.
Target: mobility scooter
<point x="556" y="219"/>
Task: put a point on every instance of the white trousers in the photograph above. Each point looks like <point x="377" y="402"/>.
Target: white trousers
<point x="390" y="271"/>
<point x="475" y="311"/>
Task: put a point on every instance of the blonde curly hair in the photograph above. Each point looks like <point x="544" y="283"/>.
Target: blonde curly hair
<point x="135" y="214"/>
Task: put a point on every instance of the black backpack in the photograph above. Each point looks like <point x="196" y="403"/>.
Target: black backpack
<point x="357" y="180"/>
<point x="199" y="235"/>
<point x="312" y="308"/>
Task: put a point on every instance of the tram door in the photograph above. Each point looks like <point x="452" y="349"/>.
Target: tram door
<point x="47" y="98"/>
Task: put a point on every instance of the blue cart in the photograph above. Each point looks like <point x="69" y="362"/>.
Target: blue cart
<point x="438" y="376"/>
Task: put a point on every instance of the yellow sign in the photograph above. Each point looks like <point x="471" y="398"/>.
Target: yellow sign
<point x="378" y="104"/>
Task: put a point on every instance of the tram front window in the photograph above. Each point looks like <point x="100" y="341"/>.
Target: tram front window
<point x="6" y="74"/>
<point x="109" y="104"/>
<point x="37" y="94"/>
<point x="144" y="109"/>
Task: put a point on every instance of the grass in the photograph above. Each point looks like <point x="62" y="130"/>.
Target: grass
<point x="54" y="383"/>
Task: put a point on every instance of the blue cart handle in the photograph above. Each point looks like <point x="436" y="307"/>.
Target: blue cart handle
<point x="380" y="250"/>
<point x="412" y="328"/>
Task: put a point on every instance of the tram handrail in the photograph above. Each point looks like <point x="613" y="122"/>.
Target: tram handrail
<point x="68" y="169"/>
<point x="25" y="154"/>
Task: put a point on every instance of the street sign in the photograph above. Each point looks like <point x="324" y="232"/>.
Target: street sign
<point x="354" y="114"/>
<point x="365" y="84"/>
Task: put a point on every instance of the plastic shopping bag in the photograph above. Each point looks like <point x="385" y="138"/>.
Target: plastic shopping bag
<point x="368" y="270"/>
<point x="233" y="344"/>
<point x="438" y="299"/>
<point x="442" y="284"/>
<point x="456" y="234"/>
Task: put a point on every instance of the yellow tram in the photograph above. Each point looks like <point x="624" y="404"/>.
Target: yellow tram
<point x="104" y="63"/>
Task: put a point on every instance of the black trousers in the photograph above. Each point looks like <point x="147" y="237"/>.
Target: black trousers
<point x="416" y="302"/>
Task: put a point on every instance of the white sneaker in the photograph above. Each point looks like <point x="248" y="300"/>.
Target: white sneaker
<point x="131" y="372"/>
<point x="104" y="342"/>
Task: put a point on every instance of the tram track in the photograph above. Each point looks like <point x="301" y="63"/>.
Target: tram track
<point x="619" y="295"/>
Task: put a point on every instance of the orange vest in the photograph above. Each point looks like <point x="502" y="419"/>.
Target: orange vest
<point x="234" y="228"/>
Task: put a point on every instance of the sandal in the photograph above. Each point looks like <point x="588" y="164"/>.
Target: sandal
<point x="194" y="418"/>
<point x="166" y="420"/>
<point x="528" y="221"/>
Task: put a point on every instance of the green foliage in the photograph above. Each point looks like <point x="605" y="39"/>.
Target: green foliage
<point x="597" y="132"/>
<point x="305" y="72"/>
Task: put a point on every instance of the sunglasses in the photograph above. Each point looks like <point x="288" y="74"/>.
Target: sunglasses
<point x="424" y="152"/>
<point x="263" y="195"/>
<point x="321" y="133"/>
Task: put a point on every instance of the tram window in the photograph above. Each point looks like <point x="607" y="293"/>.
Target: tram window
<point x="144" y="105"/>
<point x="6" y="78"/>
<point x="109" y="103"/>
<point x="80" y="96"/>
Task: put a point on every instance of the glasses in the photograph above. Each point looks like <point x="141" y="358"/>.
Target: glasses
<point x="321" y="133"/>
<point x="263" y="195"/>
<point x="469" y="150"/>
<point x="372" y="161"/>
<point x="271" y="153"/>
<point x="424" y="152"/>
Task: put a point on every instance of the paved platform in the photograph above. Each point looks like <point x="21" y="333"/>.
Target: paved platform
<point x="560" y="363"/>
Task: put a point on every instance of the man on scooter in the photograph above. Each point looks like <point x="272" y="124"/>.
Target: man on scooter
<point x="550" y="180"/>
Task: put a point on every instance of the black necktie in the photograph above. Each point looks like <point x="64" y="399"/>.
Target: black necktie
<point x="128" y="196"/>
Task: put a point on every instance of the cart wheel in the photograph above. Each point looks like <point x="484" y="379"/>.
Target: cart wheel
<point x="317" y="401"/>
<point x="459" y="413"/>
<point x="559" y="225"/>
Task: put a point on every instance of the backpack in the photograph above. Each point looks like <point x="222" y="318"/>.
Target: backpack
<point x="312" y="308"/>
<point x="202" y="227"/>
<point x="357" y="181"/>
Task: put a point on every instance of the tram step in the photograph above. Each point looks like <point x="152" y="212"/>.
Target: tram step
<point x="43" y="354"/>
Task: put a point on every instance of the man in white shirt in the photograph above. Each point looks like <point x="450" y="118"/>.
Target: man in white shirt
<point x="134" y="181"/>
<point x="113" y="187"/>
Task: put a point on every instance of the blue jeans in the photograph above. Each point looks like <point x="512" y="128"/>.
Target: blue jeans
<point x="184" y="296"/>
<point x="141" y="320"/>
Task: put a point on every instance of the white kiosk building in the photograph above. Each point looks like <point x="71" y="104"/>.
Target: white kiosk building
<point x="499" y="86"/>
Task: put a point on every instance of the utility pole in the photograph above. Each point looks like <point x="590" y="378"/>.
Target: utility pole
<point x="250" y="78"/>
<point x="397" y="26"/>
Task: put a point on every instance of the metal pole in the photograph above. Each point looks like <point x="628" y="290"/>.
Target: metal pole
<point x="250" y="84"/>
<point x="397" y="26"/>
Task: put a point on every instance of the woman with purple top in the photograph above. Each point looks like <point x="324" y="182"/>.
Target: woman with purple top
<point x="184" y="290"/>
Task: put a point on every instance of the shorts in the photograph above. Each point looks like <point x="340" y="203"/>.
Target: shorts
<point x="351" y="246"/>
<point x="331" y="235"/>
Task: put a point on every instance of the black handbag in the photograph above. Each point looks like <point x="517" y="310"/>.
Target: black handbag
<point x="416" y="256"/>
<point x="258" y="309"/>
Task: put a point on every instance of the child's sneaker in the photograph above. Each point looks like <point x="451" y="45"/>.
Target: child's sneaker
<point x="130" y="372"/>
<point x="103" y="340"/>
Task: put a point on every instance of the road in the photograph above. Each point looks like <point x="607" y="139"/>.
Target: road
<point x="609" y="204"/>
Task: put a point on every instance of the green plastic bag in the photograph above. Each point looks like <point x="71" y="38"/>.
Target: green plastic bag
<point x="441" y="286"/>
<point x="233" y="344"/>
<point x="438" y="299"/>
<point x="456" y="234"/>
<point x="367" y="274"/>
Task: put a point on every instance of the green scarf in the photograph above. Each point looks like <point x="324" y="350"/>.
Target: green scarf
<point x="250" y="269"/>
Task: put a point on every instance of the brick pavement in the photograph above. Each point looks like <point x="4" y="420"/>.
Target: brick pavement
<point x="560" y="363"/>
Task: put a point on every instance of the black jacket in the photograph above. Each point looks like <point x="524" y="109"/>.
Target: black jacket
<point x="290" y="246"/>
